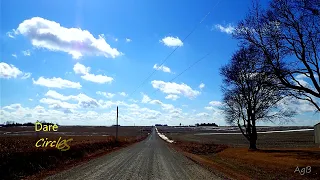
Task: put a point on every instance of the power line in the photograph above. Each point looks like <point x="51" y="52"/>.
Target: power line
<point x="175" y="48"/>
<point x="202" y="58"/>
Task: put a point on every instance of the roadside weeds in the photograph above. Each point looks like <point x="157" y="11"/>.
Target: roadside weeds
<point x="240" y="163"/>
<point x="39" y="163"/>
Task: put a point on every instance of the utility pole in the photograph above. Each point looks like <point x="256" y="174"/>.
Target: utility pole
<point x="117" y="125"/>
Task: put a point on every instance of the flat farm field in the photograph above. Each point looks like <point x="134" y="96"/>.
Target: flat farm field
<point x="268" y="137"/>
<point x="19" y="158"/>
<point x="289" y="154"/>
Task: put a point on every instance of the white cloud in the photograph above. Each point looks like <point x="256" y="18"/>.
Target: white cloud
<point x="172" y="97"/>
<point x="145" y="98"/>
<point x="105" y="94"/>
<point x="60" y="116"/>
<point x="123" y="94"/>
<point x="57" y="104"/>
<point x="171" y="41"/>
<point x="215" y="103"/>
<point x="11" y="34"/>
<point x="201" y="86"/>
<point x="14" y="55"/>
<point x="130" y="114"/>
<point x="8" y="71"/>
<point x="226" y="29"/>
<point x="26" y="53"/>
<point x="132" y="100"/>
<point x="174" y="88"/>
<point x="128" y="40"/>
<point x="303" y="83"/>
<point x="51" y="35"/>
<point x="303" y="76"/>
<point x="166" y="107"/>
<point x="84" y="71"/>
<point x="56" y="83"/>
<point x="155" y="101"/>
<point x="141" y="113"/>
<point x="203" y="114"/>
<point x="301" y="79"/>
<point x="209" y="108"/>
<point x="83" y="100"/>
<point x="80" y="69"/>
<point x="214" y="106"/>
<point x="30" y="99"/>
<point x="56" y="95"/>
<point x="297" y="105"/>
<point x="304" y="106"/>
<point x="26" y="76"/>
<point x="101" y="79"/>
<point x="108" y="104"/>
<point x="13" y="107"/>
<point x="162" y="68"/>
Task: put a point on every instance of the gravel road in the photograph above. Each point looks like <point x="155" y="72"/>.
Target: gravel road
<point x="149" y="159"/>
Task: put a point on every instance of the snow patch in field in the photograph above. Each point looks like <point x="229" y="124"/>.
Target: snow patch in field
<point x="264" y="132"/>
<point x="164" y="137"/>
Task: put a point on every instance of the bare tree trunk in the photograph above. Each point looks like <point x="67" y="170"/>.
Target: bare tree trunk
<point x="254" y="135"/>
<point x="248" y="128"/>
<point x="253" y="145"/>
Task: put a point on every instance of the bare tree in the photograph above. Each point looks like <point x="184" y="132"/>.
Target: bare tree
<point x="249" y="93"/>
<point x="288" y="36"/>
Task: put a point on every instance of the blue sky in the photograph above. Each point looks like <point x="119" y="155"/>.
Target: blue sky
<point x="73" y="62"/>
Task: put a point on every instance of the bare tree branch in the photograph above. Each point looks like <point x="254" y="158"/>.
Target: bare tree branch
<point x="288" y="35"/>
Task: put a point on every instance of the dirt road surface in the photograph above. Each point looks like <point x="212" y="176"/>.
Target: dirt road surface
<point x="149" y="159"/>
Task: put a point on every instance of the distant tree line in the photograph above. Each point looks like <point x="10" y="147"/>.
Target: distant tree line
<point x="12" y="123"/>
<point x="161" y="125"/>
<point x="207" y="124"/>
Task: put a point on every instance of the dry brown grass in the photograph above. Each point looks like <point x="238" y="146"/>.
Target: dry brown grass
<point x="19" y="158"/>
<point x="200" y="148"/>
<point x="278" y="158"/>
<point x="240" y="163"/>
<point x="272" y="163"/>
